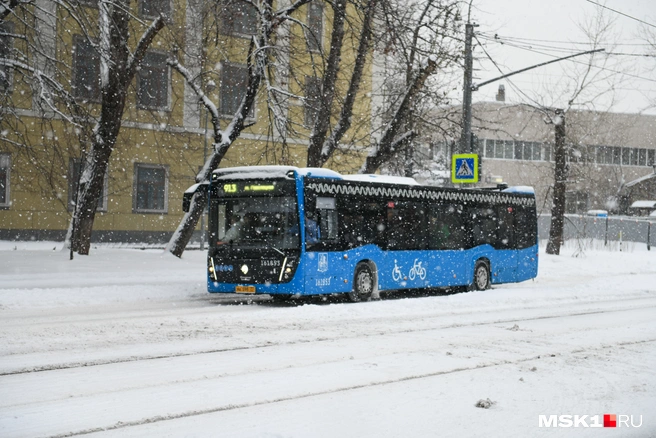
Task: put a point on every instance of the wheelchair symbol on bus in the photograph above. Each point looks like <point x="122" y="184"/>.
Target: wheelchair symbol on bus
<point x="396" y="272"/>
<point x="416" y="271"/>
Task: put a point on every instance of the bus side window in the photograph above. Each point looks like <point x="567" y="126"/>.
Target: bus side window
<point x="484" y="226"/>
<point x="506" y="229"/>
<point x="525" y="224"/>
<point x="405" y="226"/>
<point x="328" y="224"/>
<point x="446" y="227"/>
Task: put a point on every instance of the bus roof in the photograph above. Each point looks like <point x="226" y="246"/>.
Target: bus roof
<point x="264" y="172"/>
<point x="520" y="189"/>
<point x="250" y="172"/>
<point x="389" y="179"/>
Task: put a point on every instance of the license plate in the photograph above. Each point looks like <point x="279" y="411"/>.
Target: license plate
<point x="245" y="289"/>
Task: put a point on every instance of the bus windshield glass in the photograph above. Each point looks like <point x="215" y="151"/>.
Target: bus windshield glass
<point x="257" y="214"/>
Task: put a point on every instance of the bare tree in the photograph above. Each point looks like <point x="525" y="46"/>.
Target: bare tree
<point x="258" y="59"/>
<point x="321" y="145"/>
<point x="417" y="40"/>
<point x="107" y="33"/>
<point x="117" y="69"/>
<point x="340" y="84"/>
<point x="420" y="39"/>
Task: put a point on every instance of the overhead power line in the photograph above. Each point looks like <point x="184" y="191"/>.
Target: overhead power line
<point x="512" y="84"/>
<point x="621" y="13"/>
<point x="578" y="62"/>
<point x="516" y="42"/>
<point x="528" y="40"/>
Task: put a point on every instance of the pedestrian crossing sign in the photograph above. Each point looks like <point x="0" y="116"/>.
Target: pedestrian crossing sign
<point x="464" y="168"/>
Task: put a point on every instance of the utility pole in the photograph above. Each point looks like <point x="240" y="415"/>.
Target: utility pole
<point x="465" y="138"/>
<point x="560" y="186"/>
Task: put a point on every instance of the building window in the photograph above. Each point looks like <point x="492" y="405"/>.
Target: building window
<point x="153" y="82"/>
<point x="238" y="17"/>
<point x="519" y="150"/>
<point x="73" y="184"/>
<point x="6" y="48"/>
<point x="150" y="188"/>
<point x="312" y="99"/>
<point x="548" y="152"/>
<point x="576" y="202"/>
<point x="489" y="148"/>
<point x="234" y="83"/>
<point x="651" y="157"/>
<point x="5" y="166"/>
<point x="86" y="70"/>
<point x="617" y="155"/>
<point x="155" y="8"/>
<point x="315" y="26"/>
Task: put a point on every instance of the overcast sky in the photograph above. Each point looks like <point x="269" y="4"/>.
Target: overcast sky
<point x="533" y="31"/>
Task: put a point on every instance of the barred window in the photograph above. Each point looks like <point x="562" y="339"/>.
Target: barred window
<point x="5" y="166"/>
<point x="315" y="26"/>
<point x="86" y="70"/>
<point x="153" y="82"/>
<point x="6" y="48"/>
<point x="312" y="99"/>
<point x="238" y="17"/>
<point x="150" y="188"/>
<point x="234" y="84"/>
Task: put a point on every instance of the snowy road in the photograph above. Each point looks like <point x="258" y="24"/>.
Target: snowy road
<point x="126" y="343"/>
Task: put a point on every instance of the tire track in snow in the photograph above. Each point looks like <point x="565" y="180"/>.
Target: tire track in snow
<point x="231" y="407"/>
<point x="341" y="336"/>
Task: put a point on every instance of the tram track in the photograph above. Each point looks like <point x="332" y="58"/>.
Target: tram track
<point x="344" y="389"/>
<point x="639" y="303"/>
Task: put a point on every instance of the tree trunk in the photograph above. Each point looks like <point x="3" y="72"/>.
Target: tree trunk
<point x="392" y="139"/>
<point x="88" y="196"/>
<point x="118" y="68"/>
<point x="346" y="114"/>
<point x="182" y="235"/>
<point x="560" y="186"/>
<point x="322" y="122"/>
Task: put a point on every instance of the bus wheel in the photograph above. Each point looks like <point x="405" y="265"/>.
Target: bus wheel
<point x="481" y="276"/>
<point x="363" y="284"/>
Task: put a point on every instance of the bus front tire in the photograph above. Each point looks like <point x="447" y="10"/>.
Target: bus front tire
<point x="481" y="276"/>
<point x="363" y="284"/>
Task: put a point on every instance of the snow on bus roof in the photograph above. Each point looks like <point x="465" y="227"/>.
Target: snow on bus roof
<point x="644" y="204"/>
<point x="318" y="172"/>
<point x="520" y="189"/>
<point x="390" y="179"/>
<point x="257" y="172"/>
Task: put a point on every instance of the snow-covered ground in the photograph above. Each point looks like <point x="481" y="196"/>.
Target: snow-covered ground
<point x="127" y="342"/>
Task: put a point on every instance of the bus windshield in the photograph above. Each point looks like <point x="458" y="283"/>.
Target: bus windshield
<point x="257" y="222"/>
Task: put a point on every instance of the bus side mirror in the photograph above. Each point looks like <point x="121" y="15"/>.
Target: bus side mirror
<point x="189" y="194"/>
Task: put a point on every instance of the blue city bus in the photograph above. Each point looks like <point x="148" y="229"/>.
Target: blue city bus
<point x="295" y="232"/>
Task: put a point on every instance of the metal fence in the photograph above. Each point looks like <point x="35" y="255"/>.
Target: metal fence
<point x="612" y="229"/>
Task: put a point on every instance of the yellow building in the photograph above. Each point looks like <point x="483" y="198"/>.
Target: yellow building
<point x="165" y="134"/>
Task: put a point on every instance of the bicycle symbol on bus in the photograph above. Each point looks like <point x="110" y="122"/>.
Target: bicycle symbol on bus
<point x="416" y="271"/>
